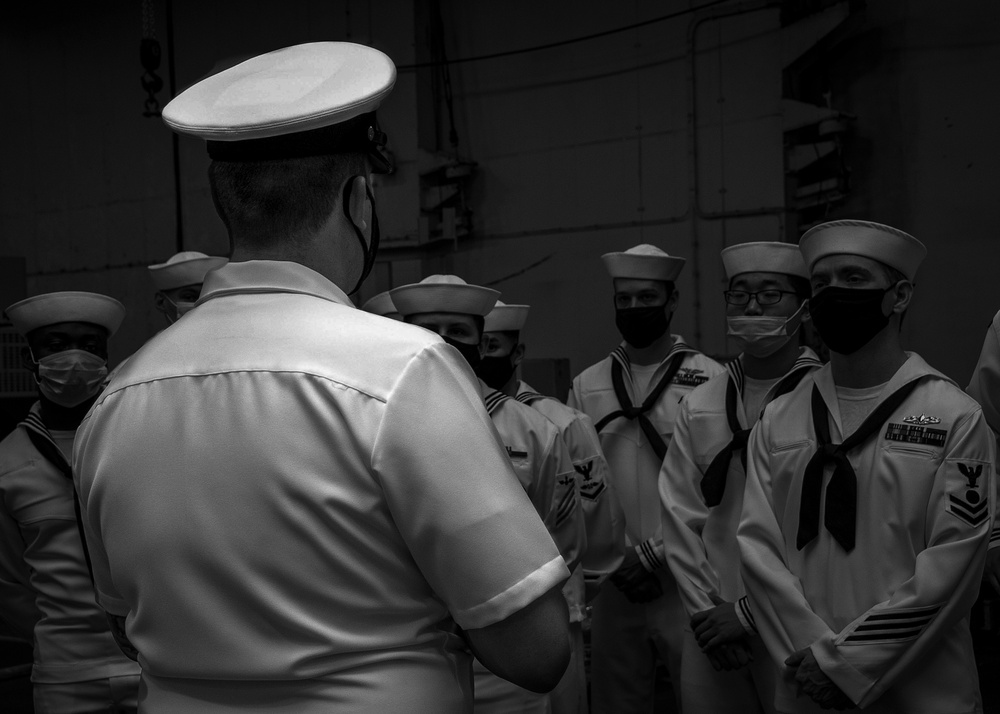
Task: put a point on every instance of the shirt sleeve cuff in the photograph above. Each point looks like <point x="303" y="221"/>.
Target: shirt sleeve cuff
<point x="648" y="556"/>
<point x="514" y="598"/>
<point x="851" y="682"/>
<point x="745" y="615"/>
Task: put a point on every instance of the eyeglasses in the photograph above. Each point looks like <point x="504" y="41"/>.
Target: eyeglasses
<point x="764" y="297"/>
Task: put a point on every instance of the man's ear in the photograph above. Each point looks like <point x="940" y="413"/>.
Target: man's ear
<point x="806" y="315"/>
<point x="360" y="208"/>
<point x="517" y="355"/>
<point x="673" y="300"/>
<point x="27" y="362"/>
<point x="902" y="294"/>
<point x="163" y="304"/>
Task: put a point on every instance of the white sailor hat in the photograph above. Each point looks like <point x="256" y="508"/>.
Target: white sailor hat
<point x="188" y="267"/>
<point x="877" y="241"/>
<point x="67" y="306"/>
<point x="644" y="262"/>
<point x="443" y="293"/>
<point x="764" y="257"/>
<point x="313" y="99"/>
<point x="506" y="318"/>
<point x="380" y="304"/>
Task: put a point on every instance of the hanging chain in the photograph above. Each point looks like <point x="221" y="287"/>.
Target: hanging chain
<point x="149" y="55"/>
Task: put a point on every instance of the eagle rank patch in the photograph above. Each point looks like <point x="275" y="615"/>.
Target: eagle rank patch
<point x="967" y="497"/>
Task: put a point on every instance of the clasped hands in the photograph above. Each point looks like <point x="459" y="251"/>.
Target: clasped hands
<point x="721" y="636"/>
<point x="813" y="681"/>
<point x="636" y="583"/>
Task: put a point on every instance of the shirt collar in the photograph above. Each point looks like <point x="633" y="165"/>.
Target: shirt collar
<point x="806" y="359"/>
<point x="269" y="276"/>
<point x="621" y="354"/>
<point x="912" y="369"/>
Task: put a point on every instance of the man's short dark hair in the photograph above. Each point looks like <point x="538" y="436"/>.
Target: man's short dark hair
<point x="263" y="203"/>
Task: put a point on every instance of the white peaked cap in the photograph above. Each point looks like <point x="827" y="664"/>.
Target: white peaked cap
<point x="443" y="293"/>
<point x="306" y="100"/>
<point x="883" y="243"/>
<point x="188" y="267"/>
<point x="764" y="257"/>
<point x="506" y="318"/>
<point x="380" y="304"/>
<point x="644" y="262"/>
<point x="68" y="306"/>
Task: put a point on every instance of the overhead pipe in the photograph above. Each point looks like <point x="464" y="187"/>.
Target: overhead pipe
<point x="694" y="203"/>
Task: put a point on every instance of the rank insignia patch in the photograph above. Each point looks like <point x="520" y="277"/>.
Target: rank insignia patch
<point x="967" y="501"/>
<point x="913" y="434"/>
<point x="922" y="419"/>
<point x="591" y="491"/>
<point x="590" y="488"/>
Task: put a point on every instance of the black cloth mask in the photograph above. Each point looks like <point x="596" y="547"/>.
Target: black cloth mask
<point x="470" y="352"/>
<point x="369" y="250"/>
<point x="496" y="371"/>
<point x="642" y="326"/>
<point x="848" y="318"/>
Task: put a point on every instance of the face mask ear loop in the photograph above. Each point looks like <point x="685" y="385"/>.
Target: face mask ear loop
<point x="797" y="316"/>
<point x="368" y="251"/>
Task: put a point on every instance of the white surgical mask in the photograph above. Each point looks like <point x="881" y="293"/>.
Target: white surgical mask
<point x="71" y="377"/>
<point x="763" y="335"/>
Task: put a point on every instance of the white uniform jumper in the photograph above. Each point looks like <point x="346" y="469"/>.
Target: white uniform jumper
<point x="701" y="490"/>
<point x="984" y="387"/>
<point x="605" y="530"/>
<point x="622" y="632"/>
<point x="544" y="467"/>
<point x="45" y="586"/>
<point x="887" y="619"/>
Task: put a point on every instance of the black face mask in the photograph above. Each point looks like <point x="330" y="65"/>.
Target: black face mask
<point x="470" y="352"/>
<point x="848" y="318"/>
<point x="642" y="326"/>
<point x="368" y="250"/>
<point x="496" y="371"/>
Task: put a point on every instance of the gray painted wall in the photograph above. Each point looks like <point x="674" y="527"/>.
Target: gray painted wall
<point x="670" y="133"/>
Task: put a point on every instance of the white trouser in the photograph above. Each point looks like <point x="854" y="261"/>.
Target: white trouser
<point x="627" y="641"/>
<point x="749" y="690"/>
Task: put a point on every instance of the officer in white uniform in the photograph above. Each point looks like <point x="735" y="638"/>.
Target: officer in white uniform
<point x="448" y="306"/>
<point x="725" y="668"/>
<point x="633" y="396"/>
<point x="178" y="281"/>
<point x="293" y="504"/>
<point x="984" y="387"/>
<point x="46" y="593"/>
<point x="603" y="521"/>
<point x="869" y="500"/>
<point x="381" y="304"/>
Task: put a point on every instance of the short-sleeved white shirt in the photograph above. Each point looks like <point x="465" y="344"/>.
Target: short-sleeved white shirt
<point x="280" y="486"/>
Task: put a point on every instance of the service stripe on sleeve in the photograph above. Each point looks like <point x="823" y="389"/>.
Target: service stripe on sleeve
<point x="892" y="626"/>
